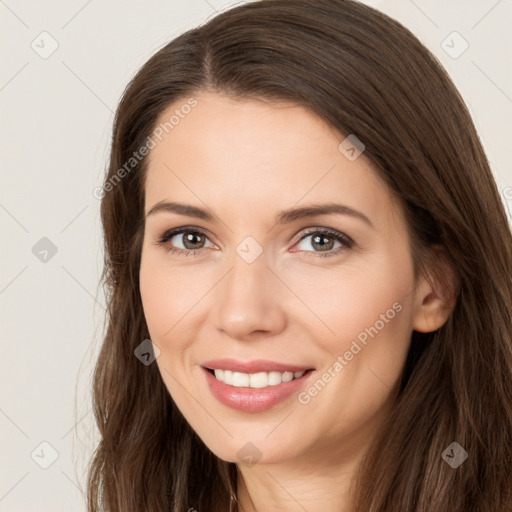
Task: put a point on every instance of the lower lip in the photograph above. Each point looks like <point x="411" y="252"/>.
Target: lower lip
<point x="253" y="399"/>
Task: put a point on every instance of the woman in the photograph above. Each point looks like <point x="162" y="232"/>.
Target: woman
<point x="309" y="277"/>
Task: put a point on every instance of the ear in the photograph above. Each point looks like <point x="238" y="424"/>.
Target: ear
<point x="436" y="295"/>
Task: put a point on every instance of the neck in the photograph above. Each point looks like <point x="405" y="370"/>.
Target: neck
<point x="319" y="483"/>
<point x="319" y="479"/>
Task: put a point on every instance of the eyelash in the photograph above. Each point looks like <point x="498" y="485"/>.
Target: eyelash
<point x="345" y="240"/>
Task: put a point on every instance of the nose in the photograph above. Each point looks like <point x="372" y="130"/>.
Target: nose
<point x="249" y="301"/>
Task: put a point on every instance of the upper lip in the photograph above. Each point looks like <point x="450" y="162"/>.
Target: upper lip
<point x="254" y="366"/>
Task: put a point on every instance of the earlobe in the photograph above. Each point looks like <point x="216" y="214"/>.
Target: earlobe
<point x="435" y="301"/>
<point x="431" y="313"/>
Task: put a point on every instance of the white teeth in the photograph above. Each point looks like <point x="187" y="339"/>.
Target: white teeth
<point x="274" y="378"/>
<point x="240" y="380"/>
<point x="255" y="380"/>
<point x="258" y="380"/>
<point x="287" y="376"/>
<point x="228" y="377"/>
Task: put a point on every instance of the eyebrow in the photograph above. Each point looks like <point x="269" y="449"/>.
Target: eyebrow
<point x="284" y="217"/>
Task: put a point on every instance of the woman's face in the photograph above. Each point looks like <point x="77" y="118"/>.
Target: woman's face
<point x="264" y="289"/>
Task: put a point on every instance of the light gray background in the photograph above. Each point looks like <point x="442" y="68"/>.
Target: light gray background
<point x="57" y="117"/>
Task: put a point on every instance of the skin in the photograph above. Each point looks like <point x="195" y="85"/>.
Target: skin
<point x="245" y="161"/>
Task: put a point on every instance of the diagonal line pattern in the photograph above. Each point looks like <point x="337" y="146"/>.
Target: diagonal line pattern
<point x="301" y="300"/>
<point x="74" y="218"/>
<point x="14" y="485"/>
<point x="424" y="14"/>
<point x="308" y="191"/>
<point x="280" y="423"/>
<point x="194" y="193"/>
<point x="379" y="378"/>
<point x="193" y="306"/>
<point x="76" y="424"/>
<point x="14" y="218"/>
<point x="87" y="86"/>
<point x="197" y="401"/>
<point x="13" y="279"/>
<point x="485" y="15"/>
<point x="492" y="81"/>
<point x="74" y="483"/>
<point x="83" y="287"/>
<point x="14" y="423"/>
<point x="14" y="76"/>
<point x="286" y="491"/>
<point x="76" y="14"/>
<point x="206" y="2"/>
<point x="13" y="13"/>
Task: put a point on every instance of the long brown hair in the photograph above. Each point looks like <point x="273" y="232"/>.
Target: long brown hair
<point x="364" y="74"/>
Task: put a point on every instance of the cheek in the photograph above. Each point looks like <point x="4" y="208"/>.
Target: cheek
<point x="171" y="297"/>
<point x="155" y="301"/>
<point x="364" y="359"/>
<point x="374" y="331"/>
<point x="368" y="310"/>
<point x="165" y="301"/>
<point x="167" y="294"/>
<point x="355" y="302"/>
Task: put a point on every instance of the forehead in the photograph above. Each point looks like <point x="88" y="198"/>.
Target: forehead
<point x="254" y="155"/>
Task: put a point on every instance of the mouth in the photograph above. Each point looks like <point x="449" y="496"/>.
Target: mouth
<point x="254" y="386"/>
<point x="255" y="380"/>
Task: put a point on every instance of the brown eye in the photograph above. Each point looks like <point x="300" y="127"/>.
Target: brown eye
<point x="322" y="241"/>
<point x="184" y="240"/>
<point x="192" y="239"/>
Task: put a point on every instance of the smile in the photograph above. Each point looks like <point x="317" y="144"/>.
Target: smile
<point x="255" y="380"/>
<point x="254" y="386"/>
